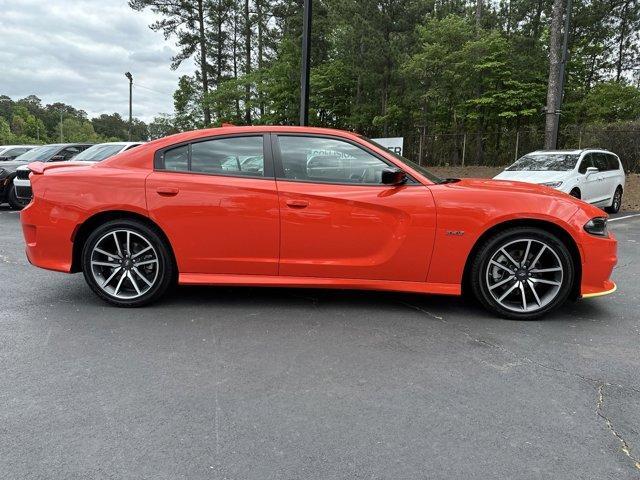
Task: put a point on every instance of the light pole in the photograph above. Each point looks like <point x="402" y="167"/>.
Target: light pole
<point x="305" y="66"/>
<point x="130" y="77"/>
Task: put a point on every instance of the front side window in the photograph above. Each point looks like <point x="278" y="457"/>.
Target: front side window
<point x="235" y="156"/>
<point x="327" y="160"/>
<point x="600" y="161"/>
<point x="70" y="152"/>
<point x="585" y="163"/>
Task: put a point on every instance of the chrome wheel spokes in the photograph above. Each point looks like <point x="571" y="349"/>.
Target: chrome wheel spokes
<point x="524" y="275"/>
<point x="124" y="264"/>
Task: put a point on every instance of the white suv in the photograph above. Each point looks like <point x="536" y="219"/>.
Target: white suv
<point x="595" y="176"/>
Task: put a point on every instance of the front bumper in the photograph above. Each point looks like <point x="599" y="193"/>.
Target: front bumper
<point x="599" y="257"/>
<point x="23" y="188"/>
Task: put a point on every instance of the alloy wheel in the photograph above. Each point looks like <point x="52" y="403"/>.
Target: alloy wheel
<point x="124" y="264"/>
<point x="524" y="275"/>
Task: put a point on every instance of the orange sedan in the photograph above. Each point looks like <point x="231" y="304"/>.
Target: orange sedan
<point x="310" y="207"/>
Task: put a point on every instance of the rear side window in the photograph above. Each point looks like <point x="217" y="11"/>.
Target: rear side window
<point x="177" y="159"/>
<point x="613" y="162"/>
<point x="230" y="156"/>
<point x="233" y="156"/>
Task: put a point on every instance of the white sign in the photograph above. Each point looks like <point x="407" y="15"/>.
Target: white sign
<point x="395" y="144"/>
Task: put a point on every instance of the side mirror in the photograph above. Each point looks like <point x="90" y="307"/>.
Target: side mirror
<point x="393" y="176"/>
<point x="591" y="170"/>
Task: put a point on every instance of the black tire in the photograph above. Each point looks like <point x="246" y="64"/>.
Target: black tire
<point x="13" y="201"/>
<point x="480" y="273"/>
<point x="162" y="279"/>
<point x="616" y="202"/>
<point x="575" y="193"/>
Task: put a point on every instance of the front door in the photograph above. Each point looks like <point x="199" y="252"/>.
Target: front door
<point x="217" y="202"/>
<point x="590" y="185"/>
<point x="339" y="221"/>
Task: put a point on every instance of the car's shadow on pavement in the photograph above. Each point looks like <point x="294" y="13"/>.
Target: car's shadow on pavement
<point x="437" y="307"/>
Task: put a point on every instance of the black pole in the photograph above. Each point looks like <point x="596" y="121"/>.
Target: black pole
<point x="130" y="77"/>
<point x="306" y="53"/>
<point x="563" y="66"/>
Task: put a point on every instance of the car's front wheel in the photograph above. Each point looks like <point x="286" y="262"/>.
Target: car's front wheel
<point x="522" y="273"/>
<point x="127" y="263"/>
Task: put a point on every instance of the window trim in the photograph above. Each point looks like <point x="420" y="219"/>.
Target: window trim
<point x="279" y="169"/>
<point x="158" y="156"/>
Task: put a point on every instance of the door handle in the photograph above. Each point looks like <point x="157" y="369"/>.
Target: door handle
<point x="297" y="203"/>
<point x="167" y="191"/>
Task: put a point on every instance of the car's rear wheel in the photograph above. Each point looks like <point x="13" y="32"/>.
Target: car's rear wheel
<point x="522" y="273"/>
<point x="127" y="263"/>
<point x="13" y="201"/>
<point x="616" y="202"/>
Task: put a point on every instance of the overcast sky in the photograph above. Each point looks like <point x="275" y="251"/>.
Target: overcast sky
<point x="76" y="51"/>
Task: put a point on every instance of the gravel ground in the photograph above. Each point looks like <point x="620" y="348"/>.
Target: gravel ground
<point x="243" y="383"/>
<point x="631" y="198"/>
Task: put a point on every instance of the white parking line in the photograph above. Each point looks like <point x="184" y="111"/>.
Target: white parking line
<point x="625" y="217"/>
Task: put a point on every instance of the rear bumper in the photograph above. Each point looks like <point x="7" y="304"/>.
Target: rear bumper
<point x="47" y="245"/>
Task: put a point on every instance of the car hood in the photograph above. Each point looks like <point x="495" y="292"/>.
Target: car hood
<point x="510" y="186"/>
<point x="532" y="176"/>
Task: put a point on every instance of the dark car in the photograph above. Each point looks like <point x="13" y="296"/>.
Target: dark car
<point x="57" y="152"/>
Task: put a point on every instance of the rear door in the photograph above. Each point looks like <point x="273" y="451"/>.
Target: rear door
<point x="611" y="178"/>
<point x="219" y="220"/>
<point x="339" y="221"/>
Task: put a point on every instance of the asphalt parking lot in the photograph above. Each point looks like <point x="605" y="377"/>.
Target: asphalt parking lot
<point x="245" y="383"/>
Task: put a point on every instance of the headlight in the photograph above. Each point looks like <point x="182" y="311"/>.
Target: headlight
<point x="597" y="226"/>
<point x="552" y="184"/>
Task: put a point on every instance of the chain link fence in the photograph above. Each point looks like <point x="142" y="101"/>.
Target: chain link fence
<point x="503" y="147"/>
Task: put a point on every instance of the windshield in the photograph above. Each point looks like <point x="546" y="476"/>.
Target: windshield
<point x="412" y="164"/>
<point x="541" y="162"/>
<point x="98" y="152"/>
<point x="40" y="153"/>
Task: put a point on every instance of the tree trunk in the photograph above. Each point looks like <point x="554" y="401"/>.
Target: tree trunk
<point x="203" y="64"/>
<point x="259" y="19"/>
<point x="623" y="36"/>
<point x="235" y="57"/>
<point x="247" y="66"/>
<point x="554" y="88"/>
<point x="478" y="14"/>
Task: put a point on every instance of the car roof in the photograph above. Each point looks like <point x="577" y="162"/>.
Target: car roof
<point x="18" y="146"/>
<point x="577" y="151"/>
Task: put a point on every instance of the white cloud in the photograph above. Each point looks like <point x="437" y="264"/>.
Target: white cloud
<point x="76" y="51"/>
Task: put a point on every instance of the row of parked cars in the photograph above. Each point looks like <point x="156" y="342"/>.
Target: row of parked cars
<point x="15" y="187"/>
<point x="593" y="175"/>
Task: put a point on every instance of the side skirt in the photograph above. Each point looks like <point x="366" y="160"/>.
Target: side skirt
<point x="316" y="282"/>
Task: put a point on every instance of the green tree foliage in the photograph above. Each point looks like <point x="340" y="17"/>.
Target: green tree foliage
<point x="31" y="122"/>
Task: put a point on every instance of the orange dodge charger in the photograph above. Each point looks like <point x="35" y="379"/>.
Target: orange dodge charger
<point x="310" y="207"/>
